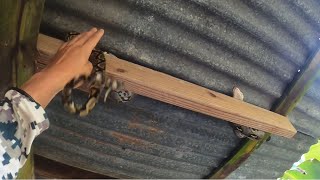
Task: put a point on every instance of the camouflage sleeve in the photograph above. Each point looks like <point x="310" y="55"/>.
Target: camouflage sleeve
<point x="21" y="120"/>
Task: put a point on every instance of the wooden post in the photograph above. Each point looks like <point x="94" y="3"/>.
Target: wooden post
<point x="19" y="28"/>
<point x="8" y="30"/>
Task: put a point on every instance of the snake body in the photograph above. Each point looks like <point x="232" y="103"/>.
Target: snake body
<point x="98" y="82"/>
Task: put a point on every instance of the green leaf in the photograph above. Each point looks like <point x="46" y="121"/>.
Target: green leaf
<point x="309" y="169"/>
<point x="314" y="152"/>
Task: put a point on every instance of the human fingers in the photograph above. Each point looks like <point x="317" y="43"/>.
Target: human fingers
<point x="93" y="40"/>
<point x="63" y="45"/>
<point x="84" y="36"/>
<point x="74" y="40"/>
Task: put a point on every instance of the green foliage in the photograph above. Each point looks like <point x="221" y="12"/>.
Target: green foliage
<point x="314" y="152"/>
<point x="309" y="167"/>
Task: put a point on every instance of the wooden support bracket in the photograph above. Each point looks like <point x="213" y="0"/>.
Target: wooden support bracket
<point x="165" y="88"/>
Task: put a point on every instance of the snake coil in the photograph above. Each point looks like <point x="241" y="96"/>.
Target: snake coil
<point x="96" y="82"/>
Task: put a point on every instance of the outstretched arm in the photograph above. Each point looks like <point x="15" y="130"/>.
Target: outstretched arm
<point x="70" y="61"/>
<point x="22" y="116"/>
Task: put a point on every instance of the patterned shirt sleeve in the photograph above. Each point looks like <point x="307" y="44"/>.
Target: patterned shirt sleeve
<point x="21" y="120"/>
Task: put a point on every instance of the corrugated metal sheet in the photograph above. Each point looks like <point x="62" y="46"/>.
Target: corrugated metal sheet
<point x="278" y="155"/>
<point x="265" y="160"/>
<point x="273" y="158"/>
<point x="141" y="139"/>
<point x="258" y="46"/>
<point x="306" y="116"/>
<point x="306" y="119"/>
<point x="49" y="169"/>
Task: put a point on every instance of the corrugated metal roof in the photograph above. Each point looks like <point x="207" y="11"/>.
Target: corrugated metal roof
<point x="141" y="139"/>
<point x="257" y="46"/>
<point x="306" y="116"/>
<point x="278" y="155"/>
<point x="273" y="158"/>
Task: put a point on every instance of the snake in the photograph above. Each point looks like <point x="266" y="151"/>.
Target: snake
<point x="97" y="81"/>
<point x="243" y="131"/>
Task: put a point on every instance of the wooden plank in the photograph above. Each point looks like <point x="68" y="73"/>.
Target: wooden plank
<point x="162" y="87"/>
<point x="292" y="95"/>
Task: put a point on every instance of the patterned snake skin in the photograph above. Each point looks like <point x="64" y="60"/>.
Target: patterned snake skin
<point x="98" y="82"/>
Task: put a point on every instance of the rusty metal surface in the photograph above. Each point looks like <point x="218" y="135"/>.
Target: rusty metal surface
<point x="141" y="139"/>
<point x="258" y="46"/>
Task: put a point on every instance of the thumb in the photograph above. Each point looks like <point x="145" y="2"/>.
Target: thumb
<point x="88" y="69"/>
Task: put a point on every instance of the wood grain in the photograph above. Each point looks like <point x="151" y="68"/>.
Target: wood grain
<point x="165" y="88"/>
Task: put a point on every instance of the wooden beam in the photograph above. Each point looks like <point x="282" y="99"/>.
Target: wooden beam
<point x="292" y="95"/>
<point x="162" y="87"/>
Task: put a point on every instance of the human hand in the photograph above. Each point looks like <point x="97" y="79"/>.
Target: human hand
<point x="71" y="60"/>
